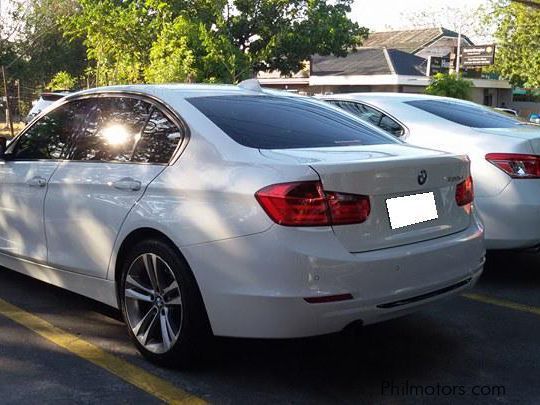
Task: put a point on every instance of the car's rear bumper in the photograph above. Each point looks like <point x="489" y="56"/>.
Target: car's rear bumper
<point x="255" y="286"/>
<point x="512" y="218"/>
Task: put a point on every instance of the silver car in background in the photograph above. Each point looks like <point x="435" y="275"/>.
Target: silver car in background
<point x="44" y="101"/>
<point x="504" y="153"/>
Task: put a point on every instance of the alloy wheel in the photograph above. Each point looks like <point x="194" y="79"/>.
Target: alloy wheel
<point x="153" y="303"/>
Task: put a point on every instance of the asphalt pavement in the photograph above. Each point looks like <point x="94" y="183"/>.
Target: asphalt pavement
<point x="58" y="347"/>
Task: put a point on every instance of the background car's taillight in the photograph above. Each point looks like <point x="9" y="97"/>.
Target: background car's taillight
<point x="517" y="166"/>
<point x="307" y="204"/>
<point x="465" y="192"/>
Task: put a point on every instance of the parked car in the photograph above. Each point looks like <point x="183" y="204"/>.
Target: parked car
<point x="227" y="209"/>
<point x="504" y="153"/>
<point x="45" y="100"/>
<point x="534" y="118"/>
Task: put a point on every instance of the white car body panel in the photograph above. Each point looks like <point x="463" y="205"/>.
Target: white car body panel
<point x="351" y="170"/>
<point x="509" y="207"/>
<point x="85" y="209"/>
<point x="253" y="274"/>
<point x="21" y="207"/>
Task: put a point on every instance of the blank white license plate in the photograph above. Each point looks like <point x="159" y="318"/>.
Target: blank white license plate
<point x="411" y="209"/>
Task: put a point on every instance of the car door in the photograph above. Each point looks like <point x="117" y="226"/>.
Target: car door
<point x="30" y="161"/>
<point x="125" y="143"/>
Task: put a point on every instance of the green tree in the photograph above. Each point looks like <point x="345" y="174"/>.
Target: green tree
<point x="117" y="34"/>
<point x="39" y="48"/>
<point x="517" y="35"/>
<point x="449" y="85"/>
<point x="172" y="57"/>
<point x="62" y="81"/>
<point x="225" y="40"/>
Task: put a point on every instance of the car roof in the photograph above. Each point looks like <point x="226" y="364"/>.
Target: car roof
<point x="401" y="97"/>
<point x="172" y="90"/>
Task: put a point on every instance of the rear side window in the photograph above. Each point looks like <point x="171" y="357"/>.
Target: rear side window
<point x="270" y="122"/>
<point x="370" y="115"/>
<point x="159" y="139"/>
<point x="362" y="111"/>
<point x="469" y="115"/>
<point x="389" y="125"/>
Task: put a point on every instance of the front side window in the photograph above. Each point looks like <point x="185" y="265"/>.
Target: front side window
<point x="467" y="114"/>
<point x="51" y="135"/>
<point x="273" y="122"/>
<point x="112" y="129"/>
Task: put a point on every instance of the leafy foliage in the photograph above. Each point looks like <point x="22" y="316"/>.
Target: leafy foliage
<point x="62" y="81"/>
<point x="38" y="49"/>
<point x="449" y="85"/>
<point x="517" y="35"/>
<point x="225" y="40"/>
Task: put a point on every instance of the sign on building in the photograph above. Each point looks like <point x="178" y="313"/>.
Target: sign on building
<point x="477" y="56"/>
<point x="438" y="65"/>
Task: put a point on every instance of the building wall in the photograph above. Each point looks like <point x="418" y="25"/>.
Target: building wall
<point x="491" y="97"/>
<point x="524" y="108"/>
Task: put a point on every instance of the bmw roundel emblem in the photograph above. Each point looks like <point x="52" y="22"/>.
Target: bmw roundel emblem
<point x="422" y="177"/>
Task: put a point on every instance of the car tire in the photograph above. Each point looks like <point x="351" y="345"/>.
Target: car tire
<point x="165" y="315"/>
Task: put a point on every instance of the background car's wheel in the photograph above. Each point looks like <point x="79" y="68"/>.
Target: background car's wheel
<point x="162" y="305"/>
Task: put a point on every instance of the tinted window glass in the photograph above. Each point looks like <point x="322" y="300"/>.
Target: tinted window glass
<point x="391" y="126"/>
<point x="270" y="122"/>
<point x="158" y="140"/>
<point x="362" y="111"/>
<point x="112" y="129"/>
<point x="469" y="115"/>
<point x="49" y="138"/>
<point x="371" y="115"/>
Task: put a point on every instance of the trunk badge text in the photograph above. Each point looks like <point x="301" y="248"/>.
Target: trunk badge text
<point x="452" y="179"/>
<point x="422" y="177"/>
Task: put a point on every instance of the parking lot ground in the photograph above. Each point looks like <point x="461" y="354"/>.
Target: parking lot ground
<point x="480" y="348"/>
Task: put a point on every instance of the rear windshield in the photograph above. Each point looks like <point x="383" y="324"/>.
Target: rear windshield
<point x="52" y="96"/>
<point x="270" y="122"/>
<point x="466" y="114"/>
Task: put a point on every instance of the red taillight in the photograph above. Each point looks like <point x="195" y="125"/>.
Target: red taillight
<point x="465" y="192"/>
<point x="348" y="208"/>
<point x="517" y="166"/>
<point x="307" y="204"/>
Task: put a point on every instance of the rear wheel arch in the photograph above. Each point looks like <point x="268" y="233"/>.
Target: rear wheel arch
<point x="139" y="235"/>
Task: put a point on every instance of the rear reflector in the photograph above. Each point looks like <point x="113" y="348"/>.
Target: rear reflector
<point x="307" y="204"/>
<point x="517" y="166"/>
<point x="465" y="192"/>
<point x="328" y="298"/>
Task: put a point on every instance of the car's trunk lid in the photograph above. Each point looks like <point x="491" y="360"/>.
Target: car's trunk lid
<point x="529" y="133"/>
<point x="383" y="172"/>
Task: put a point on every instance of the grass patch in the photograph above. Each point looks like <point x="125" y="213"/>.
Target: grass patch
<point x="4" y="130"/>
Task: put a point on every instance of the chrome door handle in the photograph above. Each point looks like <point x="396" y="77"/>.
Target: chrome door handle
<point x="37" y="181"/>
<point x="127" y="183"/>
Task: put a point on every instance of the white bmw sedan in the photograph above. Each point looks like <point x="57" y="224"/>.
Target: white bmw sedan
<point x="504" y="153"/>
<point x="228" y="210"/>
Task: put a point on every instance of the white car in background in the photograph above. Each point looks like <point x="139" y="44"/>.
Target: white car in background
<point x="504" y="153"/>
<point x="44" y="101"/>
<point x="227" y="209"/>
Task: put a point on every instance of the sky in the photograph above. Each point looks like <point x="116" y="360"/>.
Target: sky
<point x="379" y="15"/>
